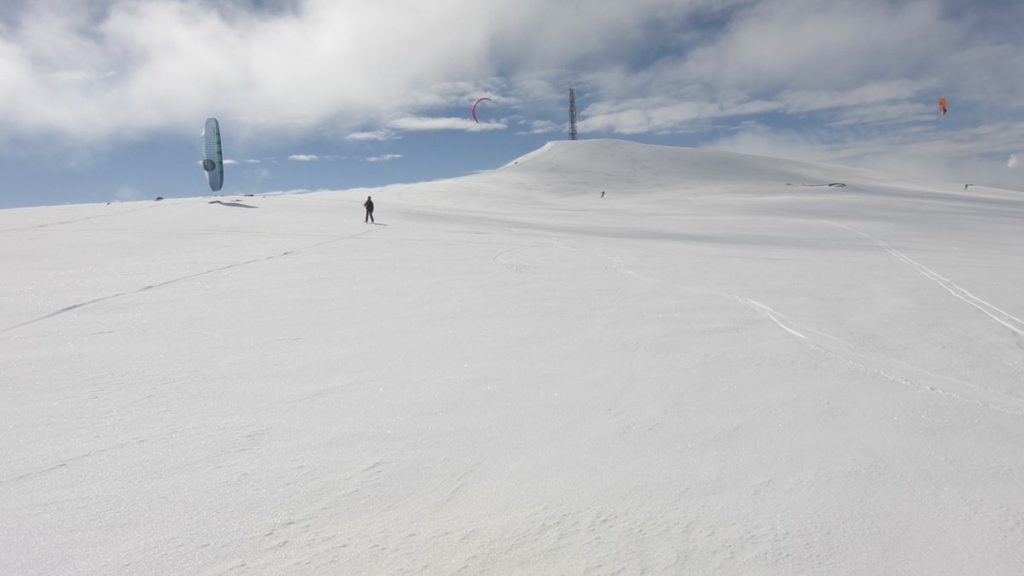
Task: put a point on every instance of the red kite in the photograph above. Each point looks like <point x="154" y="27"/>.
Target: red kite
<point x="473" y="110"/>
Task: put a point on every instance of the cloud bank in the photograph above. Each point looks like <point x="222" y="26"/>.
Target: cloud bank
<point x="847" y="73"/>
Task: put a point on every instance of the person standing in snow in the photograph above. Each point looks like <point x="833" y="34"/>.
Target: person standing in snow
<point x="369" y="209"/>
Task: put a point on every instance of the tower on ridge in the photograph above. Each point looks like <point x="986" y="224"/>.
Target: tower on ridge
<point x="573" y="135"/>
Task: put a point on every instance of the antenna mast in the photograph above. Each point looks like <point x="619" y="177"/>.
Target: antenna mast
<point x="572" y="115"/>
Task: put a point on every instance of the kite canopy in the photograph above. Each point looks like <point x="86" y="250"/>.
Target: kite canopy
<point x="213" y="157"/>
<point x="473" y="110"/>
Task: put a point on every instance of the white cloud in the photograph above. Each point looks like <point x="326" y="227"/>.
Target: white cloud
<point x="375" y="135"/>
<point x="762" y="141"/>
<point x="868" y="94"/>
<point x="115" y="69"/>
<point x="542" y="127"/>
<point x="418" y="124"/>
<point x="888" y="113"/>
<point x="1013" y="161"/>
<point x="94" y="73"/>
<point x="384" y="158"/>
<point x="304" y="157"/>
<point x="948" y="158"/>
<point x="661" y="114"/>
<point x="810" y="45"/>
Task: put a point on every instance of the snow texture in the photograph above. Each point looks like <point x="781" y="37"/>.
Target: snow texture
<point x="724" y="366"/>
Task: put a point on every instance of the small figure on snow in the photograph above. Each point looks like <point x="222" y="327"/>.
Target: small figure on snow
<point x="369" y="209"/>
<point x="602" y="193"/>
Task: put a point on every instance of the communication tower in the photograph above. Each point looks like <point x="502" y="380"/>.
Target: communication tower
<point x="573" y="135"/>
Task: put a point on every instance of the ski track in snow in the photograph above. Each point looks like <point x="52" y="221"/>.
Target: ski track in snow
<point x="1002" y="317"/>
<point x="166" y="283"/>
<point x="514" y="265"/>
<point x="769" y="312"/>
<point x="845" y="352"/>
<point x="511" y="264"/>
<point x="978" y="395"/>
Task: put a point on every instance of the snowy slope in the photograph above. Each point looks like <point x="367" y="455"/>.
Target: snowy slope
<point x="722" y="367"/>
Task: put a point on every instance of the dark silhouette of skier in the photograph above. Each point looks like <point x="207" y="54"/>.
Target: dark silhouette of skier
<point x="369" y="209"/>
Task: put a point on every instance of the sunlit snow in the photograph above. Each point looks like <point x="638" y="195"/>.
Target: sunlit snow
<point x="723" y="366"/>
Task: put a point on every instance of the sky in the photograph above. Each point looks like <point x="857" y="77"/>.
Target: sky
<point x="105" y="101"/>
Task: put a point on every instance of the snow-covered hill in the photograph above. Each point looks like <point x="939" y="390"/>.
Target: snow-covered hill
<point x="724" y="366"/>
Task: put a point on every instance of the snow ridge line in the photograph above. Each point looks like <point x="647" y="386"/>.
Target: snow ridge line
<point x="177" y="280"/>
<point x="997" y="314"/>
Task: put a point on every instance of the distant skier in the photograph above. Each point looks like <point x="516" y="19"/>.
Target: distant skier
<point x="369" y="209"/>
<point x="602" y="193"/>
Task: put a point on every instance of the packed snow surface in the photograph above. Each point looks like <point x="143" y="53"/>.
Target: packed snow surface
<point x="723" y="366"/>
